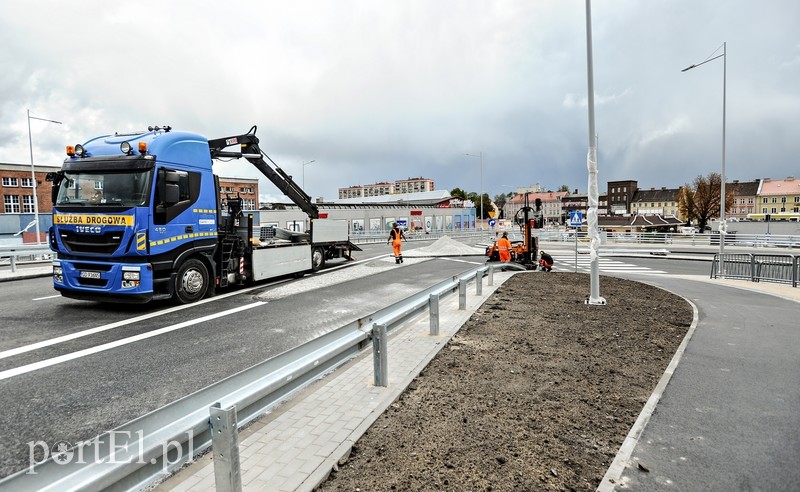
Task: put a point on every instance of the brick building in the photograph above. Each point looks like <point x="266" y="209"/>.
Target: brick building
<point x="16" y="186"/>
<point x="246" y="188"/>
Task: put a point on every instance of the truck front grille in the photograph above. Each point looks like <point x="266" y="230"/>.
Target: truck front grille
<point x="92" y="243"/>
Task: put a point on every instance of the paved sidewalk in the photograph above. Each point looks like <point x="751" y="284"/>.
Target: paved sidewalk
<point x="297" y="446"/>
<point x="26" y="271"/>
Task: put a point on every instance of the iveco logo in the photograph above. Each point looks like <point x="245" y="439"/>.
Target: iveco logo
<point x="89" y="229"/>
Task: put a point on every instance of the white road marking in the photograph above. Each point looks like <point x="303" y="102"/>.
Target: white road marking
<point x="605" y="265"/>
<point x="10" y="373"/>
<point x="91" y="331"/>
<point x="48" y="297"/>
<point x="465" y="261"/>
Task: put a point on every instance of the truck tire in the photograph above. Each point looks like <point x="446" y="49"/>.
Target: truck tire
<point x="317" y="259"/>
<point x="191" y="282"/>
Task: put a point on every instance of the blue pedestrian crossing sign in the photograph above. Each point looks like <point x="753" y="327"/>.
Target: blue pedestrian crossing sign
<point x="575" y="218"/>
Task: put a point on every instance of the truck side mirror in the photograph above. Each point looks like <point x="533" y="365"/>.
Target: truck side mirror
<point x="55" y="178"/>
<point x="167" y="187"/>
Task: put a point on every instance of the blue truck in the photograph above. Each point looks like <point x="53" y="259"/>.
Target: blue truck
<point x="138" y="217"/>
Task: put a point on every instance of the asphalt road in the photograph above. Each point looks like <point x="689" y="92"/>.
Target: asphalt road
<point x="58" y="391"/>
<point x="71" y="390"/>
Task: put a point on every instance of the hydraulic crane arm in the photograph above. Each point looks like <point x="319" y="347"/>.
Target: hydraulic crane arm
<point x="251" y="152"/>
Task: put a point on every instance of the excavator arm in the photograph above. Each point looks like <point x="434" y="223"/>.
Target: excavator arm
<point x="250" y="150"/>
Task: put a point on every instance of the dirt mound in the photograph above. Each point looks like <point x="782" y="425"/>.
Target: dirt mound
<point x="536" y="392"/>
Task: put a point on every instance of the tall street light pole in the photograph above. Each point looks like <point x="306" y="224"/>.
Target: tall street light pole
<point x="480" y="156"/>
<point x="33" y="172"/>
<point x="723" y="227"/>
<point x="591" y="163"/>
<point x="304" y="172"/>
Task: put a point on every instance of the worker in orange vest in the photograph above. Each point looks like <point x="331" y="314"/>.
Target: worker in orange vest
<point x="395" y="237"/>
<point x="504" y="248"/>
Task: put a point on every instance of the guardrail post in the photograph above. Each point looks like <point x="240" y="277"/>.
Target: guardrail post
<point x="490" y="280"/>
<point x="225" y="445"/>
<point x="462" y="294"/>
<point x="380" y="355"/>
<point x="433" y="309"/>
<point x="479" y="283"/>
<point x="13" y="263"/>
<point x="752" y="268"/>
<point x="795" y="264"/>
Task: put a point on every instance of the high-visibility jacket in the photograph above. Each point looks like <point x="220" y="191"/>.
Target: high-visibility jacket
<point x="504" y="249"/>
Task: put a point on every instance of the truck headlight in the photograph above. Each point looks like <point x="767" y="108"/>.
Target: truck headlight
<point x="58" y="274"/>
<point x="130" y="276"/>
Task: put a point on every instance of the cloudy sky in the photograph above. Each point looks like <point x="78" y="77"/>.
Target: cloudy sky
<point x="386" y="90"/>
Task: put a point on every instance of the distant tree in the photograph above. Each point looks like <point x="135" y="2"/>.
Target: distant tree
<point x="476" y="199"/>
<point x="458" y="193"/>
<point x="563" y="188"/>
<point x="700" y="200"/>
<point x="500" y="200"/>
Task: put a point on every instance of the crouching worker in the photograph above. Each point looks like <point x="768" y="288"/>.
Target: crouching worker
<point x="395" y="237"/>
<point x="545" y="261"/>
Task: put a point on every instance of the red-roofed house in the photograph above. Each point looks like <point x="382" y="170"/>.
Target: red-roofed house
<point x="779" y="198"/>
<point x="551" y="205"/>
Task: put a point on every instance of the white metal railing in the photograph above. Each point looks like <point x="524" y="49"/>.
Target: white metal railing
<point x="711" y="239"/>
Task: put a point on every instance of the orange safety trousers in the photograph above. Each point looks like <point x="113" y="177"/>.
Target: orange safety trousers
<point x="396" y="246"/>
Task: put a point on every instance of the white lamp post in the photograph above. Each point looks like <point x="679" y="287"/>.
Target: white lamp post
<point x="304" y="172"/>
<point x="591" y="220"/>
<point x="722" y="225"/>
<point x="480" y="156"/>
<point x="33" y="172"/>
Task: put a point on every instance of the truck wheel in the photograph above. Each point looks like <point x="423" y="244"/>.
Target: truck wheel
<point x="191" y="282"/>
<point x="317" y="259"/>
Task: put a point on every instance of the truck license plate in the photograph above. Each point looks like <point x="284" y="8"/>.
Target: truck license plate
<point x="90" y="274"/>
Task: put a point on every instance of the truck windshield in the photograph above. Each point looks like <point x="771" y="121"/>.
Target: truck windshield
<point x="99" y="188"/>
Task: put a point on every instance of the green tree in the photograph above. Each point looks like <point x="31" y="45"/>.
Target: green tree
<point x="564" y="188"/>
<point x="500" y="200"/>
<point x="700" y="200"/>
<point x="458" y="193"/>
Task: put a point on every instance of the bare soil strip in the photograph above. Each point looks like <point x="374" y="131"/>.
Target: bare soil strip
<point x="537" y="391"/>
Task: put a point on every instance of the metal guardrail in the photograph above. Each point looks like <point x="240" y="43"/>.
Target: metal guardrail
<point x="24" y="253"/>
<point x="151" y="447"/>
<point x="783" y="269"/>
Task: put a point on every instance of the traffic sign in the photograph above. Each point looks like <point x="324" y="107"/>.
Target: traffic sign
<point x="492" y="222"/>
<point x="575" y="218"/>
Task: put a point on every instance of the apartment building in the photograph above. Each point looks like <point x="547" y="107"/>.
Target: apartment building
<point x="410" y="185"/>
<point x="413" y="185"/>
<point x="620" y="195"/>
<point x="662" y="202"/>
<point x="745" y="201"/>
<point x="361" y="191"/>
<point x="779" y="198"/>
